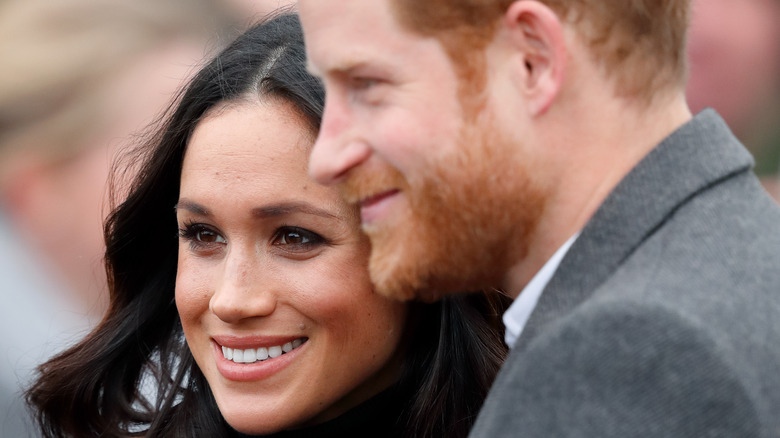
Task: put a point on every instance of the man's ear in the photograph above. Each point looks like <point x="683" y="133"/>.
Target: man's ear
<point x="536" y="36"/>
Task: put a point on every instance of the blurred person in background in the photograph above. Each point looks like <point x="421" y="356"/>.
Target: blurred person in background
<point x="734" y="50"/>
<point x="78" y="78"/>
<point x="248" y="12"/>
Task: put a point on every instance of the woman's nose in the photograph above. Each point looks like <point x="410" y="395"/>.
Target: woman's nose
<point x="242" y="292"/>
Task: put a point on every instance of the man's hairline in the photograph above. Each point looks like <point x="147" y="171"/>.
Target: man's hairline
<point x="672" y="84"/>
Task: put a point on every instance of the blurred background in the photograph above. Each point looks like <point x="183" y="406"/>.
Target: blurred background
<point x="734" y="52"/>
<point x="80" y="81"/>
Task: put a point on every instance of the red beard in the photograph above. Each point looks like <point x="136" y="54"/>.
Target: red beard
<point x="465" y="224"/>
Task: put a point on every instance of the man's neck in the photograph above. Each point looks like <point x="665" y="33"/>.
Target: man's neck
<point x="611" y="138"/>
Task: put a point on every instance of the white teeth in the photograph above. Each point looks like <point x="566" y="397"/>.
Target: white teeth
<point x="252" y="355"/>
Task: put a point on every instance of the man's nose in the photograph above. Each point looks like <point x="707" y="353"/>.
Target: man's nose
<point x="243" y="292"/>
<point x="339" y="146"/>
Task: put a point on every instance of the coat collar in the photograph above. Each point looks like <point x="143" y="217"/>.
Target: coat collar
<point x="696" y="156"/>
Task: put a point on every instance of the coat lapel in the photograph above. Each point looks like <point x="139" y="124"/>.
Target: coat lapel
<point x="696" y="156"/>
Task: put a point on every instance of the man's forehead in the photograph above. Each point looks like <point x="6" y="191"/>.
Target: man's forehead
<point x="344" y="15"/>
<point x="342" y="35"/>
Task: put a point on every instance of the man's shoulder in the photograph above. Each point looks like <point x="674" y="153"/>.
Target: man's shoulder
<point x="721" y="246"/>
<point x="714" y="267"/>
<point x="723" y="239"/>
<point x="622" y="367"/>
<point x="687" y="321"/>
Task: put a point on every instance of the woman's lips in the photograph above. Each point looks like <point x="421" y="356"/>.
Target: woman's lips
<point x="255" y="363"/>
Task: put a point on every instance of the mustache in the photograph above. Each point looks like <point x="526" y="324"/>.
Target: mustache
<point x="362" y="184"/>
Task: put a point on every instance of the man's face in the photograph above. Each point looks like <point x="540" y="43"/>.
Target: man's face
<point x="437" y="186"/>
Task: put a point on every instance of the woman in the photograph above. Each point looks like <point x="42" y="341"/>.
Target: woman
<point x="283" y="333"/>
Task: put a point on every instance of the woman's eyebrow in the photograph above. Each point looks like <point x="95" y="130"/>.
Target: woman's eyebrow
<point x="185" y="204"/>
<point x="287" y="208"/>
<point x="269" y="211"/>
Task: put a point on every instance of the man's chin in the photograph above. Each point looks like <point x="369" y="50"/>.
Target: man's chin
<point x="403" y="292"/>
<point x="410" y="265"/>
<point x="404" y="286"/>
<point x="397" y="289"/>
<point x="391" y="277"/>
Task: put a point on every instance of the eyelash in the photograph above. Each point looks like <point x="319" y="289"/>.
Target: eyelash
<point x="363" y="83"/>
<point x="365" y="89"/>
<point x="312" y="239"/>
<point x="191" y="232"/>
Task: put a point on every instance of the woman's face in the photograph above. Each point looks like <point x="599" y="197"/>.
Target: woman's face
<point x="272" y="286"/>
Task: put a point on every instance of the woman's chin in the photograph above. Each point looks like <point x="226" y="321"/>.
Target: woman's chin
<point x="254" y="426"/>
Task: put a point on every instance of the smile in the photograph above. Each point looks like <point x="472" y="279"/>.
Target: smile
<point x="252" y="355"/>
<point x="371" y="200"/>
<point x="373" y="207"/>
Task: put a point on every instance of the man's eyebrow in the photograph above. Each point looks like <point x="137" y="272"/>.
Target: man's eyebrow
<point x="185" y="204"/>
<point x="287" y="208"/>
<point x="343" y="67"/>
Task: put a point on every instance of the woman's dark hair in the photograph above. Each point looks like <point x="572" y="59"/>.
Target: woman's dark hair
<point x="101" y="386"/>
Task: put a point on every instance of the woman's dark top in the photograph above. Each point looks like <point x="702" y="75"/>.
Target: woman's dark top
<point x="377" y="417"/>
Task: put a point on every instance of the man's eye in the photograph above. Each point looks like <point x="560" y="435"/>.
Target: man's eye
<point x="297" y="237"/>
<point x="362" y="83"/>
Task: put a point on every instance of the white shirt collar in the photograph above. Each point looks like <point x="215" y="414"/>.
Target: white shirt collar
<point x="518" y="313"/>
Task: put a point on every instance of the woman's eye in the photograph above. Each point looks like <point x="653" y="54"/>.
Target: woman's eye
<point x="201" y="235"/>
<point x="296" y="237"/>
<point x="208" y="236"/>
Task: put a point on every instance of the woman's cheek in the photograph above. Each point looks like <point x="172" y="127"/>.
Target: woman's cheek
<point x="192" y="293"/>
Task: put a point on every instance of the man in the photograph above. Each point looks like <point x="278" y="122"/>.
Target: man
<point x="544" y="147"/>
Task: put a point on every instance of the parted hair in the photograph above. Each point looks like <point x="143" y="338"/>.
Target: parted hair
<point x="134" y="374"/>
<point x="639" y="43"/>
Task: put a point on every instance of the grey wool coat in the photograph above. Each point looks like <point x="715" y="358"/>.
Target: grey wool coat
<point x="663" y="319"/>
